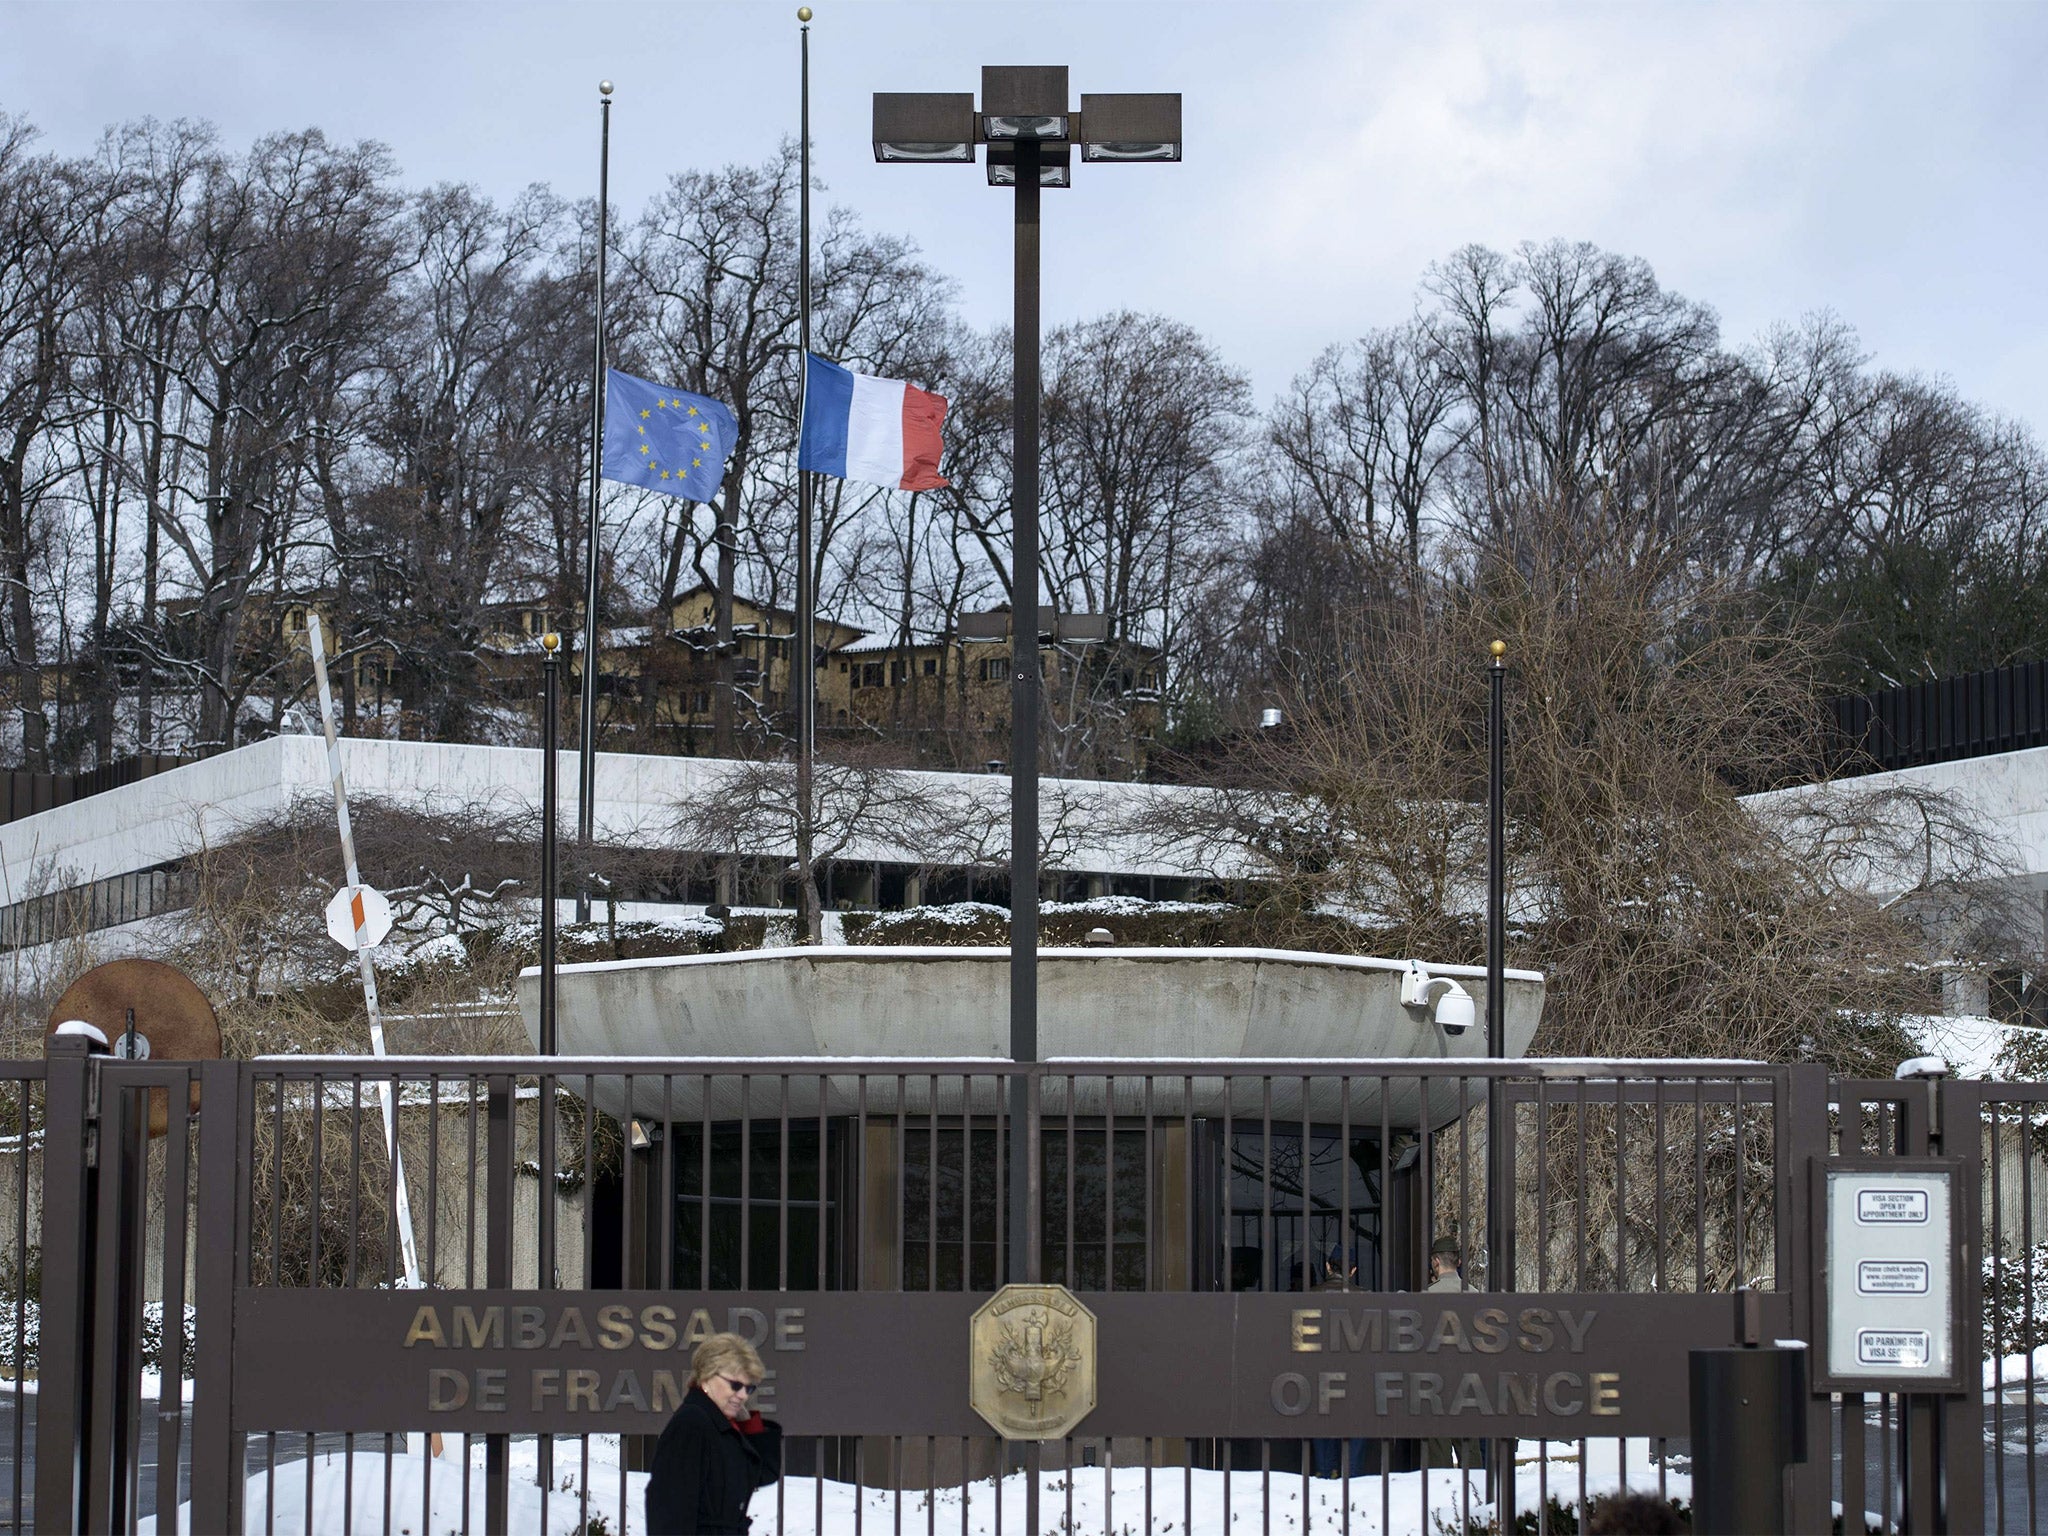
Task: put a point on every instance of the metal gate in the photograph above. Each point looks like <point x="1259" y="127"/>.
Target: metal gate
<point x="225" y="1343"/>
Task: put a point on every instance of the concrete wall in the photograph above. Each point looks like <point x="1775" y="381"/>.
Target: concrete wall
<point x="861" y="1001"/>
<point x="2006" y="795"/>
<point x="175" y="813"/>
<point x="179" y="812"/>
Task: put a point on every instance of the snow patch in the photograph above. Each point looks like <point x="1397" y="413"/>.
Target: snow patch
<point x="1969" y="1043"/>
<point x="1095" y="1499"/>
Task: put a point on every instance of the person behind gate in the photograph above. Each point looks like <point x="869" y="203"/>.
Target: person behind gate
<point x="1446" y="1273"/>
<point x="1331" y="1457"/>
<point x="716" y="1450"/>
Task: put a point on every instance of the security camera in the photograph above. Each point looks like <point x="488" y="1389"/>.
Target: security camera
<point x="1450" y="1005"/>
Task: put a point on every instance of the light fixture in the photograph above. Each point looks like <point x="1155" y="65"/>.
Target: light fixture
<point x="1055" y="166"/>
<point x="1130" y="126"/>
<point x="1922" y="1067"/>
<point x="1450" y="1005"/>
<point x="1024" y="101"/>
<point x="1044" y="126"/>
<point x="929" y="127"/>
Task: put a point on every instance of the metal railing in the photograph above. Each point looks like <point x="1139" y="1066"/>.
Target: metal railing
<point x="2004" y="709"/>
<point x="852" y="1216"/>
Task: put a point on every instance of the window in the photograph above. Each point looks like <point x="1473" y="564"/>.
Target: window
<point x="965" y="1203"/>
<point x="1108" y="1216"/>
<point x="842" y="667"/>
<point x="871" y="674"/>
<point x="952" y="1207"/>
<point x="747" y="1173"/>
<point x="899" y="671"/>
<point x="931" y="666"/>
<point x="1258" y="1167"/>
<point x="993" y="669"/>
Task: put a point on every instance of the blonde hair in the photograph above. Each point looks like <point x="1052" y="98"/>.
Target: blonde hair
<point x="725" y="1354"/>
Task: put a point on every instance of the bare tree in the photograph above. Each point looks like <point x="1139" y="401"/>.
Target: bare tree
<point x="1670" y="917"/>
<point x="751" y="809"/>
<point x="470" y="402"/>
<point x="50" y="210"/>
<point x="294" y="256"/>
<point x="1364" y="435"/>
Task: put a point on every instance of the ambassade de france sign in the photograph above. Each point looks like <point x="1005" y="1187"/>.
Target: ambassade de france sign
<point x="1249" y="1364"/>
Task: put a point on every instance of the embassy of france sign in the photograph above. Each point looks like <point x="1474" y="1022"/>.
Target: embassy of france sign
<point x="1039" y="1361"/>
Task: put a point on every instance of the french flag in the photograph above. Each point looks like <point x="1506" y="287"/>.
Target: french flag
<point x="858" y="427"/>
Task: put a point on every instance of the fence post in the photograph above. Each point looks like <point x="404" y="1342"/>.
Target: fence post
<point x="1960" y="1119"/>
<point x="114" y="1346"/>
<point x="69" y="1188"/>
<point x="1748" y="1427"/>
<point x="1809" y="1483"/>
<point x="498" y="1276"/>
<point x="223" y="1157"/>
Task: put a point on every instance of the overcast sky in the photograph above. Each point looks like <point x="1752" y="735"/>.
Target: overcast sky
<point x="1884" y="161"/>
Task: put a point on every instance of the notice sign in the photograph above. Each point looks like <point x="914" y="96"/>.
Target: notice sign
<point x="1881" y="1207"/>
<point x="1892" y="1277"/>
<point x="1890" y="1274"/>
<point x="1892" y="1346"/>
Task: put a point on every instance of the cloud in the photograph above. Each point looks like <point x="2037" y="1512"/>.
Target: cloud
<point x="1880" y="161"/>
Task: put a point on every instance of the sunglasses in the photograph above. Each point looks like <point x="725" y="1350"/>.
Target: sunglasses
<point x="741" y="1387"/>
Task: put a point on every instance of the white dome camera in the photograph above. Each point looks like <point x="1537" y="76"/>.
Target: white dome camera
<point x="1450" y="1005"/>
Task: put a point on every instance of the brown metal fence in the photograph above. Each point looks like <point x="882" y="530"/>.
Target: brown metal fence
<point x="21" y="1183"/>
<point x="1232" y="1227"/>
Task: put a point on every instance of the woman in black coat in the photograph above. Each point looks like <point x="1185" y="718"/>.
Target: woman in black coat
<point x="716" y="1451"/>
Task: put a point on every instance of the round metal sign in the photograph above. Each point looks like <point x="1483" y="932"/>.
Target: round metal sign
<point x="173" y="1019"/>
<point x="358" y="917"/>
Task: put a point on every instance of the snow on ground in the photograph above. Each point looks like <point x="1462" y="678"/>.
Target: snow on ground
<point x="1129" y="906"/>
<point x="2015" y="1368"/>
<point x="1090" y="1499"/>
<point x="1969" y="1043"/>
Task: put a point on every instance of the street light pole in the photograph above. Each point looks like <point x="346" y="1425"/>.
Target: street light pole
<point x="1026" y="680"/>
<point x="1500" y="1196"/>
<point x="1032" y="134"/>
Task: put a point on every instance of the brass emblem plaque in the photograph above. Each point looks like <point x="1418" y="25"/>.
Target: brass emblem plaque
<point x="1031" y="1365"/>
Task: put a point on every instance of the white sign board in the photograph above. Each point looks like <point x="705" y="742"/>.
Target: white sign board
<point x="1890" y="1235"/>
<point x="358" y="910"/>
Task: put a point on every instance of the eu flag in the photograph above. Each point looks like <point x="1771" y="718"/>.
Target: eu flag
<point x="664" y="439"/>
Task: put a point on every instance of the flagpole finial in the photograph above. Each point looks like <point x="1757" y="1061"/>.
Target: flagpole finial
<point x="604" y="87"/>
<point x="803" y="13"/>
<point x="1498" y="649"/>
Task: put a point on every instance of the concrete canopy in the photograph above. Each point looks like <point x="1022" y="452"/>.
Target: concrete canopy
<point x="860" y="1003"/>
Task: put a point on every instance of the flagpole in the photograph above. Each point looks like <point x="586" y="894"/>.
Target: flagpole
<point x="586" y="757"/>
<point x="803" y="674"/>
